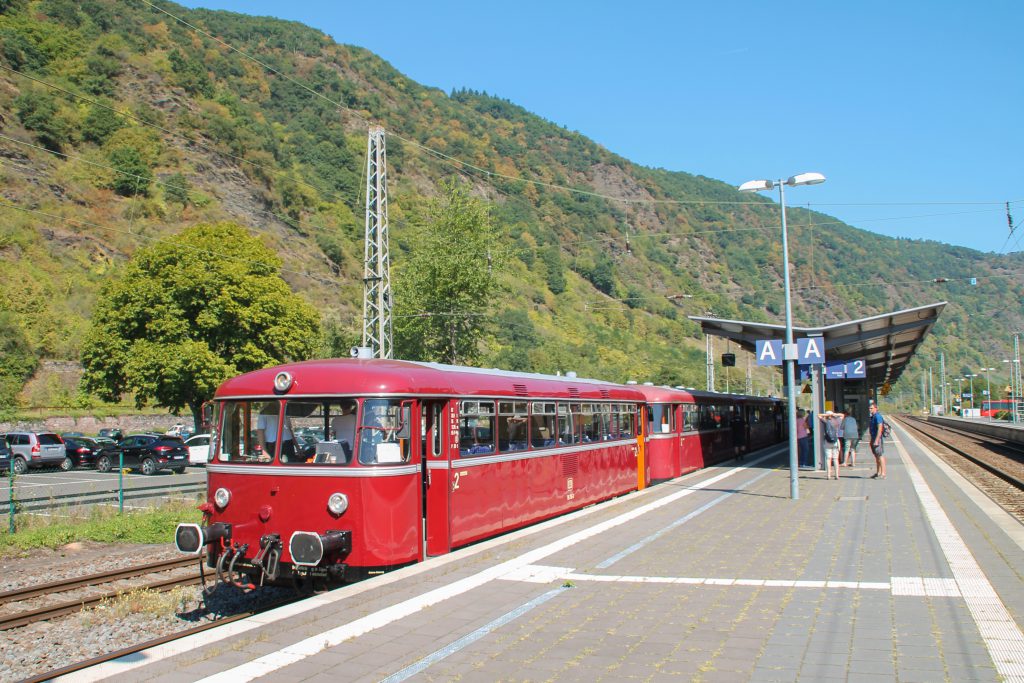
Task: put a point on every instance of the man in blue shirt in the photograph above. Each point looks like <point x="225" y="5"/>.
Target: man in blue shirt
<point x="877" y="447"/>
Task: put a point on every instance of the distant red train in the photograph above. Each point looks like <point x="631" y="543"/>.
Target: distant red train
<point x="332" y="469"/>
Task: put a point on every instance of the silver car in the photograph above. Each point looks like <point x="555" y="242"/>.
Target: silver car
<point x="35" y="449"/>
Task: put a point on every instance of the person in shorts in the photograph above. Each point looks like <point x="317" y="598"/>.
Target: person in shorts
<point x="851" y="437"/>
<point x="877" y="444"/>
<point x="835" y="421"/>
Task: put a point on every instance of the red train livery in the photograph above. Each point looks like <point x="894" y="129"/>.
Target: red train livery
<point x="337" y="468"/>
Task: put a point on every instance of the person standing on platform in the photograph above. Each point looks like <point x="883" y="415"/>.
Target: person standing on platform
<point x="830" y="425"/>
<point x="803" y="439"/>
<point x="877" y="444"/>
<point x="851" y="437"/>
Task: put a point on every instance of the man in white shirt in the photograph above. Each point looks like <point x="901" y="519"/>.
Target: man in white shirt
<point x="266" y="432"/>
<point x="343" y="427"/>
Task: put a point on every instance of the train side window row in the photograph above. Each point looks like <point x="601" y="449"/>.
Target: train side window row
<point x="522" y="425"/>
<point x="704" y="416"/>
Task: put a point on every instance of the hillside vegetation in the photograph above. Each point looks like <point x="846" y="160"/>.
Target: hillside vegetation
<point x="122" y="124"/>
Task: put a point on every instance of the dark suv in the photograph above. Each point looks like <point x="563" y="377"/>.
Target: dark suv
<point x="145" y="452"/>
<point x="111" y="433"/>
<point x="81" y="450"/>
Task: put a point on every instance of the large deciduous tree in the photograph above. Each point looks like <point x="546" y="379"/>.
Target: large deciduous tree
<point x="445" y="285"/>
<point x="190" y="311"/>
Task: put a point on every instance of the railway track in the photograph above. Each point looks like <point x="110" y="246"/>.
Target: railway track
<point x="995" y="467"/>
<point x="9" y="620"/>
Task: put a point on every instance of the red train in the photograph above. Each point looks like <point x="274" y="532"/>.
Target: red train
<point x="337" y="468"/>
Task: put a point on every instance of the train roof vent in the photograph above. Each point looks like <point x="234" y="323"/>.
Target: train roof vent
<point x="605" y="393"/>
<point x="574" y="392"/>
<point x="520" y="390"/>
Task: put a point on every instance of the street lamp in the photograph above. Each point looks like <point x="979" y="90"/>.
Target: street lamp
<point x="789" y="350"/>
<point x="988" y="390"/>
<point x="1014" y="389"/>
<point x="971" y="377"/>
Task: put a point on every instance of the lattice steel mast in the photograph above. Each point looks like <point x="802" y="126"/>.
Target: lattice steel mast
<point x="377" y="263"/>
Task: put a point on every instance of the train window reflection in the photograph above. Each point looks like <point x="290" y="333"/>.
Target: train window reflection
<point x="237" y="433"/>
<point x="384" y="432"/>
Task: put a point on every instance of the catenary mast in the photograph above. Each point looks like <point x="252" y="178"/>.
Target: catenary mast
<point x="377" y="263"/>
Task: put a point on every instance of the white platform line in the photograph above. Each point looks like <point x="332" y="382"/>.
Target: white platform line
<point x="1002" y="636"/>
<point x="919" y="586"/>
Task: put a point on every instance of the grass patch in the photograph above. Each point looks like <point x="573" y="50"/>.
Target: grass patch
<point x="101" y="524"/>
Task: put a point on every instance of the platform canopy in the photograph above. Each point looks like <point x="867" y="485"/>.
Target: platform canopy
<point x="885" y="342"/>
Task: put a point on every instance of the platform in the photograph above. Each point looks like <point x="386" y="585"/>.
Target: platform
<point x="717" y="576"/>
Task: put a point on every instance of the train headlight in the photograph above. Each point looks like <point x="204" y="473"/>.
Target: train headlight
<point x="283" y="381"/>
<point x="221" y="498"/>
<point x="337" y="503"/>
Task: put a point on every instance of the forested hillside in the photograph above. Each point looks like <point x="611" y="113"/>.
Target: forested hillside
<point x="121" y="123"/>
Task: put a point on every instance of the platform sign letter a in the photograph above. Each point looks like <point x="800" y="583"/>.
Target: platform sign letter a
<point x="768" y="351"/>
<point x="811" y="350"/>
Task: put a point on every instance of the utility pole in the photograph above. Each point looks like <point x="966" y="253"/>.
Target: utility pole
<point x="942" y="381"/>
<point x="377" y="262"/>
<point x="710" y="353"/>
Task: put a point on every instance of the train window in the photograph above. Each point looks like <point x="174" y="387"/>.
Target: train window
<point x="661" y="418"/>
<point x="513" y="426"/>
<point x="476" y="428"/>
<point x="237" y="438"/>
<point x="627" y="421"/>
<point x="323" y="432"/>
<point x="590" y="424"/>
<point x="384" y="432"/>
<point x="436" y="429"/>
<point x="542" y="424"/>
<point x="605" y="421"/>
<point x="566" y="432"/>
<point x="691" y="418"/>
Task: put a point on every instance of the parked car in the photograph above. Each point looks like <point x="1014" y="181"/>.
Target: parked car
<point x="104" y="440"/>
<point x="81" y="450"/>
<point x="198" y="449"/>
<point x="145" y="452"/>
<point x="35" y="449"/>
<point x="65" y="435"/>
<point x="112" y="433"/>
<point x="5" y="455"/>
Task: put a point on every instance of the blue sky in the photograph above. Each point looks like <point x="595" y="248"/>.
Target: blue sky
<point x="912" y="109"/>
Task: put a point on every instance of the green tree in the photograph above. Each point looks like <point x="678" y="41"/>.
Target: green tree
<point x="133" y="174"/>
<point x="100" y="123"/>
<point x="176" y="189"/>
<point x="191" y="311"/>
<point x="555" y="270"/>
<point x="444" y="288"/>
<point x="38" y="111"/>
<point x="17" y="360"/>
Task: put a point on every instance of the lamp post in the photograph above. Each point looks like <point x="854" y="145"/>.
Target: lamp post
<point x="988" y="390"/>
<point x="971" y="377"/>
<point x="1014" y="389"/>
<point x="789" y="349"/>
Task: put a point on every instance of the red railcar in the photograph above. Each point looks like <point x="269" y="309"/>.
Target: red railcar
<point x="322" y="467"/>
<point x="689" y="430"/>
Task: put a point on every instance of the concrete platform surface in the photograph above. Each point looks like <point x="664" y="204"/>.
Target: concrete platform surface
<point x="717" y="576"/>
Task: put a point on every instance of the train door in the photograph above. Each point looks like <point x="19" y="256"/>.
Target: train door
<point x="643" y="470"/>
<point x="436" y="427"/>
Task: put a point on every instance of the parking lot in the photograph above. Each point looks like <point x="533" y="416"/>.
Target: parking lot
<point x="49" y="490"/>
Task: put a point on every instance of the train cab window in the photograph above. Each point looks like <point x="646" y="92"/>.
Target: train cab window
<point x="660" y="418"/>
<point x="237" y="434"/>
<point x="590" y="423"/>
<point x="542" y="424"/>
<point x="476" y="428"/>
<point x="384" y="432"/>
<point x="513" y="426"/>
<point x="323" y="431"/>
